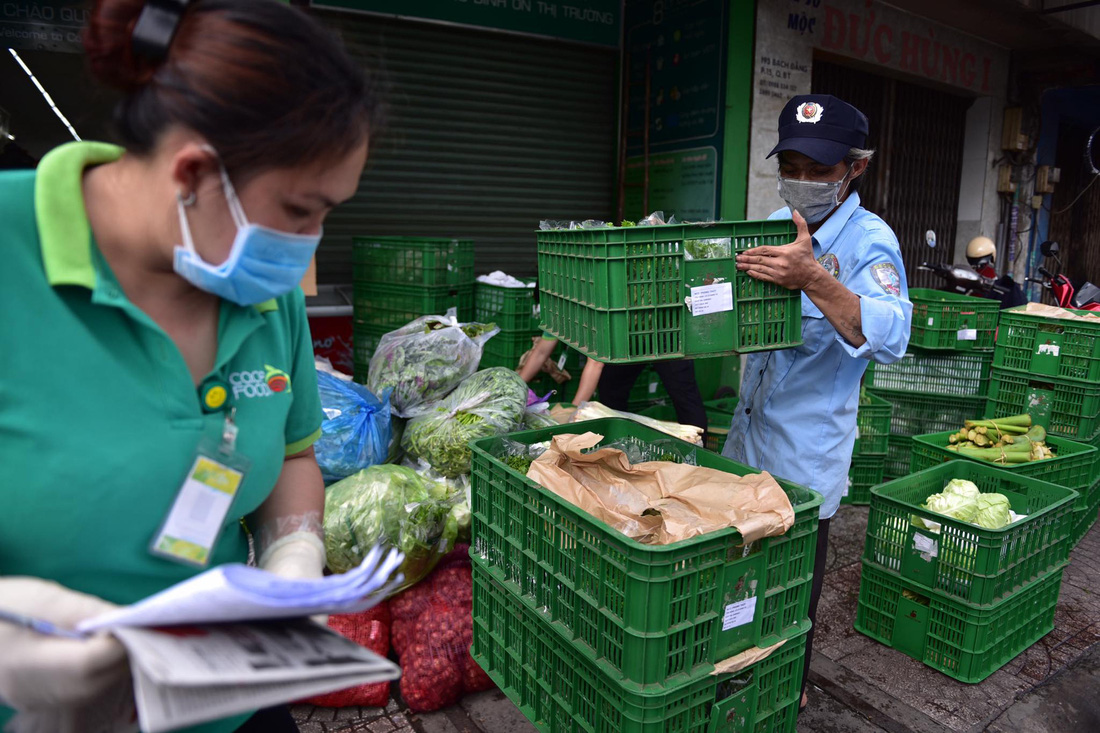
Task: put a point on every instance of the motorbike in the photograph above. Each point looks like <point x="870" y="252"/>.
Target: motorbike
<point x="967" y="281"/>
<point x="1086" y="298"/>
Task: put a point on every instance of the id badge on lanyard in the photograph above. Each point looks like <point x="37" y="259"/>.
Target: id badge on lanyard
<point x="190" y="532"/>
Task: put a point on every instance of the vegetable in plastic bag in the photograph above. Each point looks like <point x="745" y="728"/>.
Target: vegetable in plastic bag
<point x="707" y="249"/>
<point x="356" y="431"/>
<point x="423" y="361"/>
<point x="491" y="402"/>
<point x="392" y="506"/>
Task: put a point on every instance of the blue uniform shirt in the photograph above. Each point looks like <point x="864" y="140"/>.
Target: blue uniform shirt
<point x="797" y="414"/>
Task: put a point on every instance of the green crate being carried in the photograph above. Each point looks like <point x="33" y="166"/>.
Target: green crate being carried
<point x="413" y="261"/>
<point x="636" y="294"/>
<point x="962" y="560"/>
<point x="951" y="321"/>
<point x="1061" y="348"/>
<point x="967" y="643"/>
<point x="651" y="615"/>
<point x="561" y="689"/>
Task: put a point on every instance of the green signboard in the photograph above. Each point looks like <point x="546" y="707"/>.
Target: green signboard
<point x="681" y="182"/>
<point x="589" y="21"/>
<point x="42" y="25"/>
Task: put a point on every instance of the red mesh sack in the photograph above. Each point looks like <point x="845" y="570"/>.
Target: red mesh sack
<point x="370" y="629"/>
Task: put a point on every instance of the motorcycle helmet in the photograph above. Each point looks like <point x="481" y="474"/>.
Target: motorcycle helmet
<point x="981" y="252"/>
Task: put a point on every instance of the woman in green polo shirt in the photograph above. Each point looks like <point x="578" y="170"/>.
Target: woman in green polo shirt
<point x="151" y="320"/>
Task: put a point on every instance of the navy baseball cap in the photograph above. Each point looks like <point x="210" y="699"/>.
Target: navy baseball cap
<point x="822" y="127"/>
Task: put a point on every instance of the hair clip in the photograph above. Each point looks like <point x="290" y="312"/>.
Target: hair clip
<point x="156" y="26"/>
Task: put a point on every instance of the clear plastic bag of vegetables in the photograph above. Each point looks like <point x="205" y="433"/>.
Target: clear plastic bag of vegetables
<point x="356" y="432"/>
<point x="391" y="506"/>
<point x="423" y="361"/>
<point x="491" y="402"/>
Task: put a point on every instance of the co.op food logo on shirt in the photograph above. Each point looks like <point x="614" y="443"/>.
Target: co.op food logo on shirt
<point x="259" y="383"/>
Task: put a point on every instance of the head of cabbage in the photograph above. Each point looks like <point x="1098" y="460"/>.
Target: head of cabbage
<point x="962" y="500"/>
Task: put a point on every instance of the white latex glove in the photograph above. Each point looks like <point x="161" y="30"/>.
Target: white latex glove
<point x="297" y="555"/>
<point x="41" y="672"/>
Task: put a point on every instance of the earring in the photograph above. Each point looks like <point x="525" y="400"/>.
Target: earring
<point x="187" y="202"/>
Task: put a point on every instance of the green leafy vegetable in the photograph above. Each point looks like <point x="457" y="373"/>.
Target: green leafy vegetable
<point x="491" y="402"/>
<point x="391" y="506"/>
<point x="707" y="249"/>
<point x="521" y="464"/>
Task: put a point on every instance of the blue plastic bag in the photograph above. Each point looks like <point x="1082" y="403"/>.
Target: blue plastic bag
<point x="356" y="431"/>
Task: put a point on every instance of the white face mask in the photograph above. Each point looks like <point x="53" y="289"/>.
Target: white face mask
<point x="815" y="200"/>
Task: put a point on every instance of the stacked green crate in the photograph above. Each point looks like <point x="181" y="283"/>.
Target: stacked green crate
<point x="399" y="279"/>
<point x="943" y="380"/>
<point x="870" y="450"/>
<point x="515" y="312"/>
<point x="603" y="633"/>
<point x="1050" y="368"/>
<point x="961" y="598"/>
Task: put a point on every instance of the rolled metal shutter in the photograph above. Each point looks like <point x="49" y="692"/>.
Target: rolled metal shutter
<point x="488" y="133"/>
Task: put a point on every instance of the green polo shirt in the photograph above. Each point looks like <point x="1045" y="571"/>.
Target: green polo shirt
<point x="99" y="416"/>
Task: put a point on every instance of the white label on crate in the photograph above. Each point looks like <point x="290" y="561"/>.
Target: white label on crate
<point x="653" y="387"/>
<point x="931" y="320"/>
<point x="968" y="334"/>
<point x="926" y="546"/>
<point x="739" y="614"/>
<point x="561" y="361"/>
<point x="1052" y="349"/>
<point x="711" y="299"/>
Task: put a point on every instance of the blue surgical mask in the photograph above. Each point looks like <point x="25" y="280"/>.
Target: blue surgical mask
<point x="815" y="200"/>
<point x="262" y="264"/>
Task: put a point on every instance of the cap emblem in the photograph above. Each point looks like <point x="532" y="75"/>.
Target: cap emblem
<point x="809" y="112"/>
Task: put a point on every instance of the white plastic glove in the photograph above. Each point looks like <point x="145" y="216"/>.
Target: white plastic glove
<point x="297" y="555"/>
<point x="41" y="672"/>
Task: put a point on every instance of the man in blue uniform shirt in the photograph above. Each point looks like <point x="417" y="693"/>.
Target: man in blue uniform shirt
<point x="797" y="413"/>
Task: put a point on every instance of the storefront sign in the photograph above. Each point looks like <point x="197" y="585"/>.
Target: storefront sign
<point x="589" y="21"/>
<point x="42" y="25"/>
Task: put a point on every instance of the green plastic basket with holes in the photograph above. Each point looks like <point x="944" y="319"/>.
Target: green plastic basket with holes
<point x="412" y="261"/>
<point x="393" y="306"/>
<point x="626" y="295"/>
<point x="655" y="614"/>
<point x="963" y="374"/>
<point x="865" y="472"/>
<point x="1073" y="465"/>
<point x="951" y="321"/>
<point x="896" y="463"/>
<point x="961" y="560"/>
<point x="1053" y="347"/>
<point x="1084" y="517"/>
<point x="1066" y="408"/>
<point x="561" y="688"/>
<point x="873" y="426"/>
<point x="514" y="310"/>
<point x="918" y="413"/>
<point x="964" y="642"/>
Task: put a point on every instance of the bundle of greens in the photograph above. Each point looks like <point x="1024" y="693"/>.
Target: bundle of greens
<point x="391" y="506"/>
<point x="1008" y="440"/>
<point x="491" y="402"/>
<point x="423" y="361"/>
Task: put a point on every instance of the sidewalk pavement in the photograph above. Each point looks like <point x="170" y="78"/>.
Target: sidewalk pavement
<point x="858" y="685"/>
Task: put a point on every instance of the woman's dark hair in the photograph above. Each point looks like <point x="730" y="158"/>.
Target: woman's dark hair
<point x="267" y="85"/>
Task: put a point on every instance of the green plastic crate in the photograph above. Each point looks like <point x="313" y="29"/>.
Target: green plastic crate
<point x="718" y="424"/>
<point x="896" y="464"/>
<point x="726" y="405"/>
<point x="951" y="321"/>
<point x="865" y="472"/>
<point x="505" y="349"/>
<point x="917" y="413"/>
<point x="412" y="261"/>
<point x="873" y="427"/>
<point x="1052" y="347"/>
<point x="962" y="641"/>
<point x="393" y="306"/>
<point x="619" y="294"/>
<point x="512" y="309"/>
<point x="653" y="613"/>
<point x="1074" y="464"/>
<point x="561" y="689"/>
<point x="647" y="391"/>
<point x="365" y="340"/>
<point x="964" y="561"/>
<point x="964" y="374"/>
<point x="1085" y="517"/>
<point x="1065" y="408"/>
